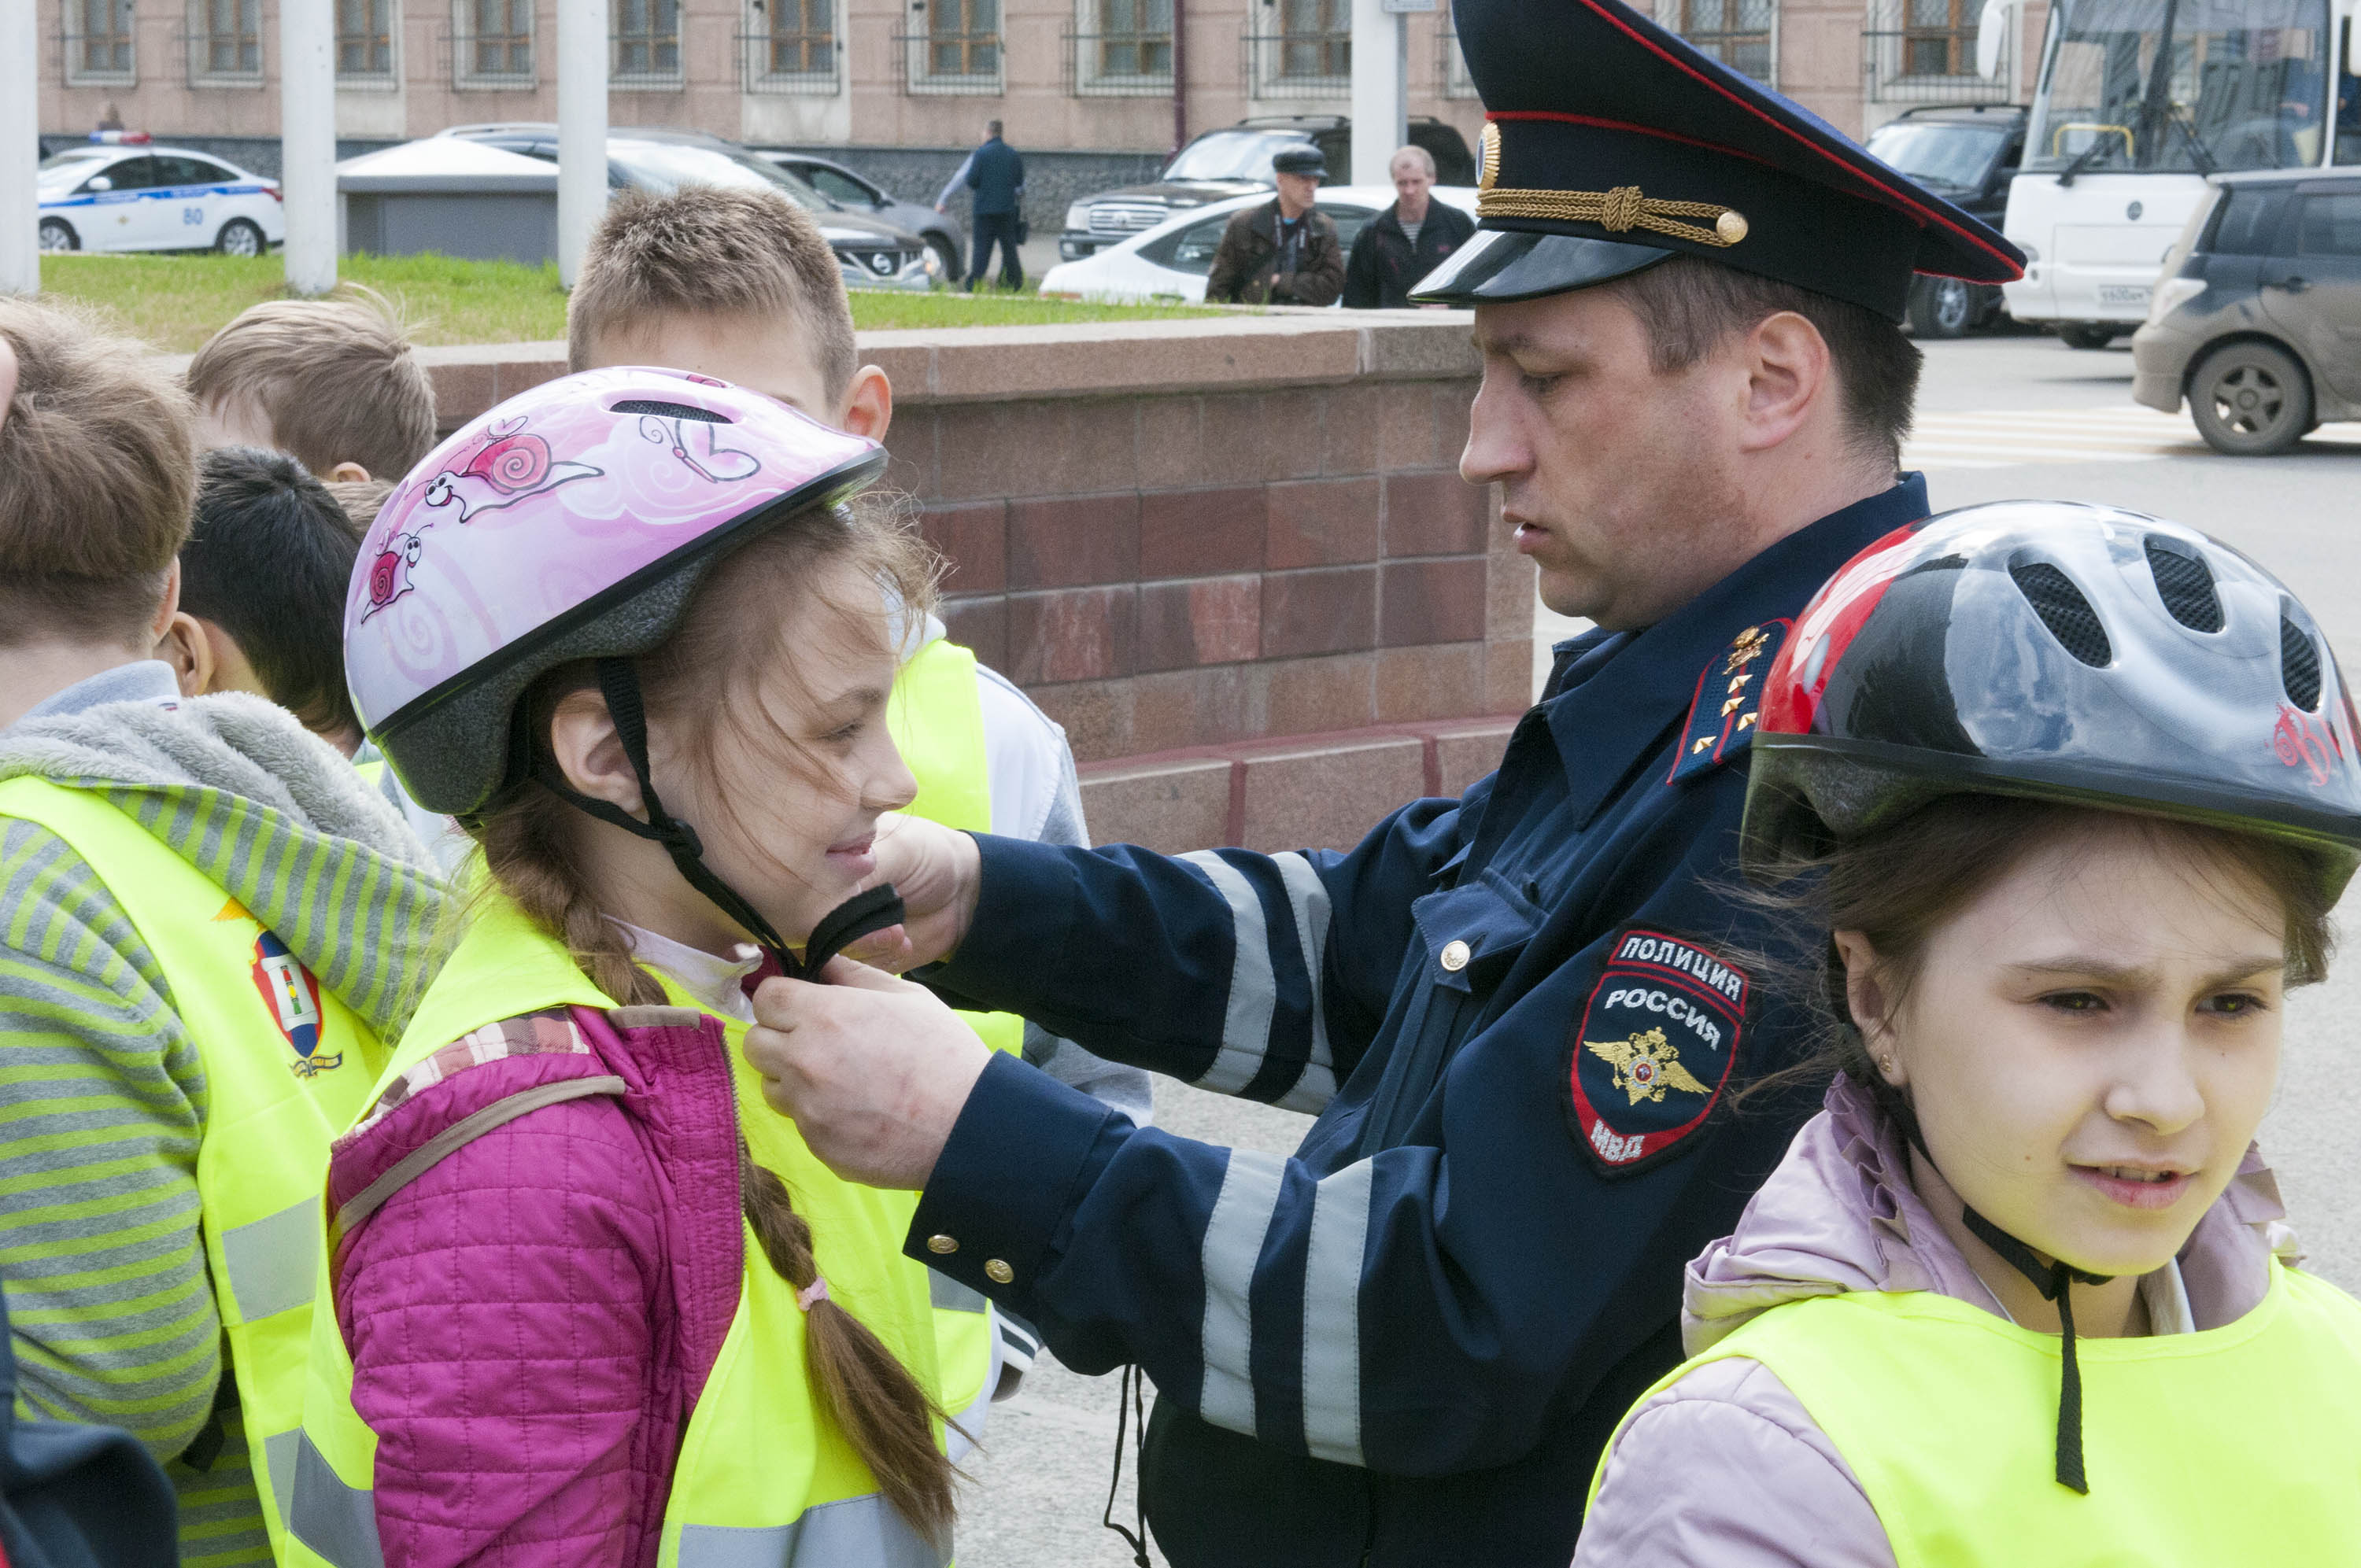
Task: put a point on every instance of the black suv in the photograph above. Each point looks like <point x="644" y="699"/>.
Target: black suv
<point x="2257" y="320"/>
<point x="1236" y="161"/>
<point x="1967" y="154"/>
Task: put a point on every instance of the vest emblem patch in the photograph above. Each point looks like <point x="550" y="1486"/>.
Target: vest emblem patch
<point x="1648" y="1058"/>
<point x="292" y="994"/>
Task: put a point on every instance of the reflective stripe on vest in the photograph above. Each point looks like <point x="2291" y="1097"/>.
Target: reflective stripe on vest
<point x="287" y="1066"/>
<point x="2238" y="1444"/>
<point x="937" y="720"/>
<point x="764" y="1475"/>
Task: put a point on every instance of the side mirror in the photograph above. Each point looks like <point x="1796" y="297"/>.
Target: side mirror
<point x="101" y="182"/>
<point x="1991" y="36"/>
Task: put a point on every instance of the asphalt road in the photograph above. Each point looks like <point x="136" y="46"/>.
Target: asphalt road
<point x="2000" y="418"/>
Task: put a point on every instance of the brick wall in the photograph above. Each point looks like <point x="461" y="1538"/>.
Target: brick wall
<point x="1232" y="556"/>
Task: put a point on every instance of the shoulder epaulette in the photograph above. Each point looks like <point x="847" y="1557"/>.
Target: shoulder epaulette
<point x="1728" y="694"/>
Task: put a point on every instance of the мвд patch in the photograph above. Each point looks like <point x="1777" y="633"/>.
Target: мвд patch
<point x="1653" y="1048"/>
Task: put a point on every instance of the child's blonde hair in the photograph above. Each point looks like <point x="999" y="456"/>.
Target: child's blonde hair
<point x="335" y="378"/>
<point x="97" y="480"/>
<point x="707" y="252"/>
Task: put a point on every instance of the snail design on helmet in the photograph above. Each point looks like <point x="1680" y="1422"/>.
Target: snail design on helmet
<point x="388" y="574"/>
<point x="511" y="464"/>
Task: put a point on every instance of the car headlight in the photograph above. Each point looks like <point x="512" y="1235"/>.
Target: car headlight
<point x="1078" y="216"/>
<point x="2171" y="294"/>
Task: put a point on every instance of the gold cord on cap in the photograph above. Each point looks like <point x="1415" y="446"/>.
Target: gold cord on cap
<point x="1617" y="210"/>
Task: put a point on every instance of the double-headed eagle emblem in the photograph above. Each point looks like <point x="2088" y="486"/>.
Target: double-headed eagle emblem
<point x="1645" y="1066"/>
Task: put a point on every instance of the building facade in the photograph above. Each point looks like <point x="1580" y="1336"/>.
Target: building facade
<point x="1085" y="78"/>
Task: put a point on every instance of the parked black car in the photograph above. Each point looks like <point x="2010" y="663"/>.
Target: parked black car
<point x="1235" y="162"/>
<point x="2257" y="320"/>
<point x="858" y="194"/>
<point x="1967" y="153"/>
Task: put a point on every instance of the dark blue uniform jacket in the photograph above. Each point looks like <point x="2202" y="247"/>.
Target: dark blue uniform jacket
<point x="1519" y="1017"/>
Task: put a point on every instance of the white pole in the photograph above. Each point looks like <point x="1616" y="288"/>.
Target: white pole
<point x="581" y="129"/>
<point x="20" y="151"/>
<point x="1380" y="121"/>
<point x="307" y="141"/>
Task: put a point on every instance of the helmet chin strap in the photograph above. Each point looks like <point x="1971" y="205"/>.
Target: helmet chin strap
<point x="2055" y="1283"/>
<point x="873" y="909"/>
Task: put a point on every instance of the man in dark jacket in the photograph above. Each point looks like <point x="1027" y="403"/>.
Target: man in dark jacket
<point x="1405" y="242"/>
<point x="1285" y="253"/>
<point x="996" y="175"/>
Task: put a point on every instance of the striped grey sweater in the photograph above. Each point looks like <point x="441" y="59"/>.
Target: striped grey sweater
<point x="102" y="1097"/>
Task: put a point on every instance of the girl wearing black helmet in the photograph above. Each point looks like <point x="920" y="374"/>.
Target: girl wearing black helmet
<point x="2073" y="791"/>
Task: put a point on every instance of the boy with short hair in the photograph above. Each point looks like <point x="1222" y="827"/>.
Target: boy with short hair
<point x="739" y="285"/>
<point x="332" y="381"/>
<point x="213" y="923"/>
<point x="262" y="590"/>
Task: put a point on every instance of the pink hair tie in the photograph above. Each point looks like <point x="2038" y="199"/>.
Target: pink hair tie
<point x="815" y="1292"/>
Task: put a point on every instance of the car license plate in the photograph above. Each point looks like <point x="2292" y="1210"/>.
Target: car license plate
<point x="2123" y="293"/>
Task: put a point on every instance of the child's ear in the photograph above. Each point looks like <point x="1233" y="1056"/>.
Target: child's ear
<point x="588" y="750"/>
<point x="189" y="651"/>
<point x="347" y="473"/>
<point x="868" y="404"/>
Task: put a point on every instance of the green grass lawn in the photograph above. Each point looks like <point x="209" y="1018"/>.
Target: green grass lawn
<point x="177" y="302"/>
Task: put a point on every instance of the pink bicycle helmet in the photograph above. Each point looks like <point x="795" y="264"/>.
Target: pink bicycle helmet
<point x="572" y="521"/>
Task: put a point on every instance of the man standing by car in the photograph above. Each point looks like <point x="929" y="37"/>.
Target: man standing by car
<point x="995" y="172"/>
<point x="1284" y="253"/>
<point x="1405" y="242"/>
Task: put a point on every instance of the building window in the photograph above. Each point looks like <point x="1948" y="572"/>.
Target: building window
<point x="98" y="41"/>
<point x="496" y="42"/>
<point x="364" y="38"/>
<point x="1940" y="38"/>
<point x="226" y="40"/>
<point x="1735" y="32"/>
<point x="1135" y="38"/>
<point x="963" y="37"/>
<point x="1316" y="38"/>
<point x="800" y="40"/>
<point x="647" y="40"/>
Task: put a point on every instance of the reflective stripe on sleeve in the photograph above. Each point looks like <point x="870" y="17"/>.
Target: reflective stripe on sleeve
<point x="1246" y="1023"/>
<point x="856" y="1532"/>
<point x="1234" y="1239"/>
<point x="1309" y="895"/>
<point x="274" y="1262"/>
<point x="337" y="1521"/>
<point x="945" y="1294"/>
<point x="1332" y="1314"/>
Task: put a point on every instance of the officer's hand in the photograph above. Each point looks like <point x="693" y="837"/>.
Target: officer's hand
<point x="872" y="1070"/>
<point x="937" y="871"/>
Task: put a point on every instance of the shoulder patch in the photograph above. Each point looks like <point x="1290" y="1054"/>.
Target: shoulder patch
<point x="1650" y="1055"/>
<point x="1729" y="695"/>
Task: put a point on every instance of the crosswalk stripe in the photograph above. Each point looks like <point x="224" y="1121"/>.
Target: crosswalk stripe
<point x="2008" y="438"/>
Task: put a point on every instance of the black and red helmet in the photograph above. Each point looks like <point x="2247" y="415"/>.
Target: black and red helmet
<point x="2063" y="652"/>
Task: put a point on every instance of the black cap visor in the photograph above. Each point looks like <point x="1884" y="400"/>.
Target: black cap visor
<point x="1497" y="266"/>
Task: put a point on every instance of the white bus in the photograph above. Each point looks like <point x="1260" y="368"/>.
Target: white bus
<point x="2138" y="101"/>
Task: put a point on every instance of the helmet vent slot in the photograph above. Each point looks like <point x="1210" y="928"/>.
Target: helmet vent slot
<point x="670" y="410"/>
<point x="2063" y="610"/>
<point x="2186" y="584"/>
<point x="2299" y="665"/>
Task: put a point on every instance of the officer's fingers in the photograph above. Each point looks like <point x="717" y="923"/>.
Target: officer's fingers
<point x="843" y="972"/>
<point x="889" y="949"/>
<point x="779" y="1003"/>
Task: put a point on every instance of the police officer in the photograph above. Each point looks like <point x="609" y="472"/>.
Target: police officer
<point x="1519" y="1016"/>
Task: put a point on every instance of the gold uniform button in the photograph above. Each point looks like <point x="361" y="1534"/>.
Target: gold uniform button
<point x="1455" y="956"/>
<point x="1001" y="1272"/>
<point x="941" y="1244"/>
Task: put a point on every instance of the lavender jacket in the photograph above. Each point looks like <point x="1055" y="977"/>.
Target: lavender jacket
<point x="1724" y="1469"/>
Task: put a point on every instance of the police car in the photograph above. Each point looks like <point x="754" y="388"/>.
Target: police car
<point x="120" y="193"/>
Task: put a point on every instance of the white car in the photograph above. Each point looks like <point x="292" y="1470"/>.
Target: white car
<point x="1168" y="263"/>
<point x="126" y="195"/>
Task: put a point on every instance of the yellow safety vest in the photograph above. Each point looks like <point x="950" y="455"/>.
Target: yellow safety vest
<point x="2238" y="1444"/>
<point x="764" y="1475"/>
<point x="937" y="719"/>
<point x="287" y="1067"/>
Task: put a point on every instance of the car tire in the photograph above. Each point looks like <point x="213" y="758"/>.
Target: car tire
<point x="2085" y="335"/>
<point x="56" y="234"/>
<point x="2250" y="400"/>
<point x="240" y="237"/>
<point x="1942" y="307"/>
<point x="948" y="253"/>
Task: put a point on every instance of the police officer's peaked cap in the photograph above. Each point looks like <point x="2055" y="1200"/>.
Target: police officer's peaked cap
<point x="1609" y="143"/>
<point x="1300" y="160"/>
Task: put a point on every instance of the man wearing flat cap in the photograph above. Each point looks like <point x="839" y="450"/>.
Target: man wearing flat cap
<point x="1521" y="1018"/>
<point x="1286" y="251"/>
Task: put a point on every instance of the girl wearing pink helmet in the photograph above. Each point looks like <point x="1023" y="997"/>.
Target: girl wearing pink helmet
<point x="594" y="1304"/>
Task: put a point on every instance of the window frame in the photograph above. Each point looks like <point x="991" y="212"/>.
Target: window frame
<point x="386" y="35"/>
<point x="207" y="43"/>
<point x="469" y="38"/>
<point x="652" y="74"/>
<point x="122" y="40"/>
